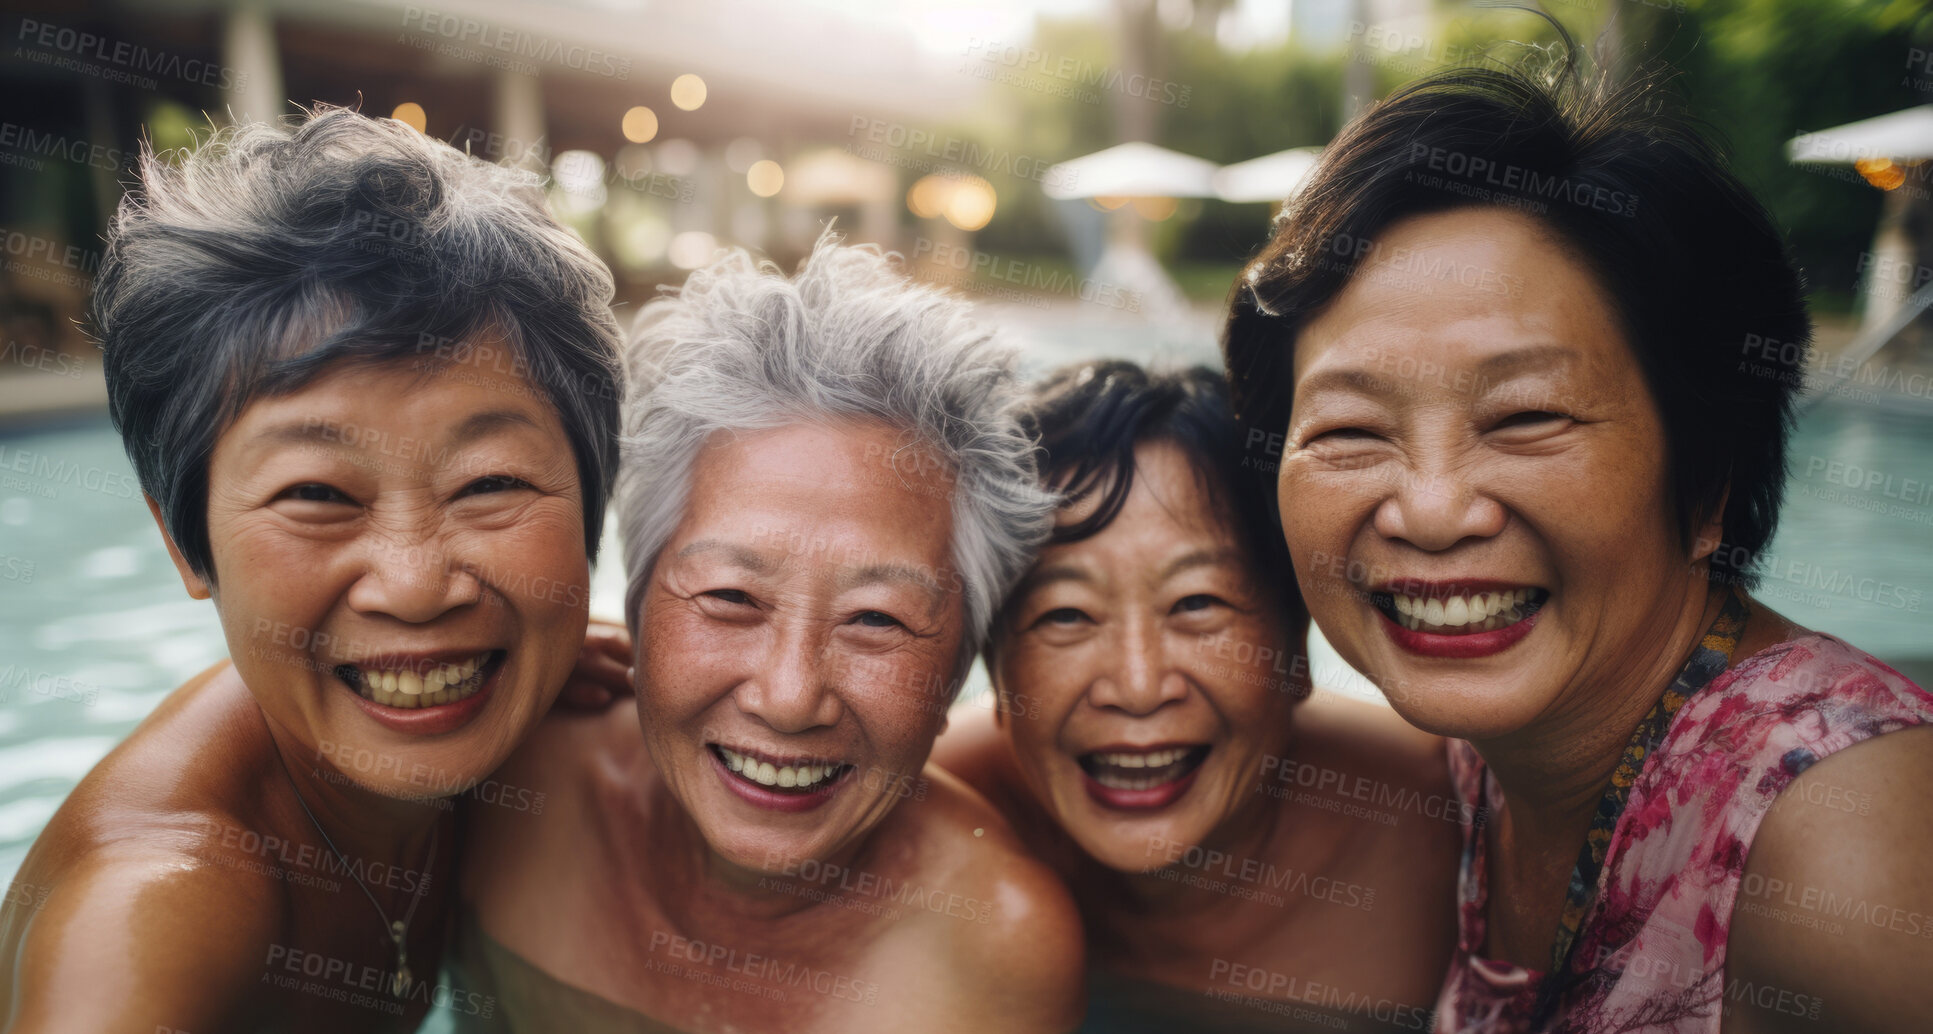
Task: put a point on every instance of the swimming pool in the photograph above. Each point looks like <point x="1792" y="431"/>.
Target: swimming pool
<point x="95" y="628"/>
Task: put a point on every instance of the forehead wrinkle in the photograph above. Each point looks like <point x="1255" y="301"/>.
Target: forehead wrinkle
<point x="741" y="556"/>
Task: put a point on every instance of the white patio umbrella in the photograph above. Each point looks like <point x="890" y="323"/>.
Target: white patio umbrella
<point x="1272" y="177"/>
<point x="1131" y="170"/>
<point x="1903" y="136"/>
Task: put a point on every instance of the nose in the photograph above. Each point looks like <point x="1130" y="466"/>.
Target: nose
<point x="1140" y="681"/>
<point x="1435" y="508"/>
<point x="415" y="579"/>
<point x="792" y="691"/>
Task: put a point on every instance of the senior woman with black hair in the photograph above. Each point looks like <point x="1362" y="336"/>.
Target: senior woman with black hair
<point x="370" y="388"/>
<point x="825" y="495"/>
<point x="1511" y="344"/>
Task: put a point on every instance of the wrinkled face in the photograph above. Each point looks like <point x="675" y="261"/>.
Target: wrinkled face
<point x="401" y="568"/>
<point x="1162" y="668"/>
<point x="797" y="638"/>
<point x="1473" y="483"/>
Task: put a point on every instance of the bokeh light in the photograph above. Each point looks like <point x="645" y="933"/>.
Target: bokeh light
<point x="971" y="203"/>
<point x="765" y="177"/>
<point x="688" y="92"/>
<point x="411" y="114"/>
<point x="640" y="125"/>
<point x="691" y="249"/>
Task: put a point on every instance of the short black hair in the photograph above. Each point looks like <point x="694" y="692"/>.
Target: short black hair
<point x="1700" y="278"/>
<point x="1089" y="417"/>
<point x="247" y="266"/>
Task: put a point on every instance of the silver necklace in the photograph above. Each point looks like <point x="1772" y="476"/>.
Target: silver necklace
<point x="398" y="929"/>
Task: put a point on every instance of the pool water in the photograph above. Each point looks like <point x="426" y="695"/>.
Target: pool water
<point x="95" y="628"/>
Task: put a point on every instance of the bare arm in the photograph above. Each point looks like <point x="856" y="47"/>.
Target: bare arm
<point x="144" y="940"/>
<point x="1833" y="928"/>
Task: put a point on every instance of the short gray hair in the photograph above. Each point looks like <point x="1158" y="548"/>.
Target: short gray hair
<point x="247" y="266"/>
<point x="742" y="348"/>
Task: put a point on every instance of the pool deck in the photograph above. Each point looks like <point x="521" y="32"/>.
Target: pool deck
<point x="29" y="398"/>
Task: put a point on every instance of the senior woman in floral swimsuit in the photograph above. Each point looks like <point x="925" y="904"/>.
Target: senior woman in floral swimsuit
<point x="1511" y="346"/>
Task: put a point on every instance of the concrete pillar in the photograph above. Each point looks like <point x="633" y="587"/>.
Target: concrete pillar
<point x="248" y="49"/>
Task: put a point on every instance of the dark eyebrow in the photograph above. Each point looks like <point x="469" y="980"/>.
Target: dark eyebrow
<point x="1528" y="359"/>
<point x="1198" y="558"/>
<point x="488" y="422"/>
<point x="1531" y="358"/>
<point x="750" y="559"/>
<point x="328" y="432"/>
<point x="1360" y="382"/>
<point x="1041" y="577"/>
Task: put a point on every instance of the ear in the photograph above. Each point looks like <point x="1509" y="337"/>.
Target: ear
<point x="196" y="585"/>
<point x="1711" y="531"/>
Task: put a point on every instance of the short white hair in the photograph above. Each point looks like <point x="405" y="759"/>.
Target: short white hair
<point x="740" y="347"/>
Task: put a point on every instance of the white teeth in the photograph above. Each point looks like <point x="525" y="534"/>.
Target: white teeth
<point x="767" y="774"/>
<point x="1142" y="771"/>
<point x="1151" y="759"/>
<point x="445" y="684"/>
<point x="1479" y="612"/>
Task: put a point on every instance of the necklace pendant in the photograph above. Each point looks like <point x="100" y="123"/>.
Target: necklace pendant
<point x="400" y="982"/>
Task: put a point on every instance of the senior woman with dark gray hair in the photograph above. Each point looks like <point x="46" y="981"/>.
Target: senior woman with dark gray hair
<point x="1510" y="345"/>
<point x="825" y="495"/>
<point x="370" y="388"/>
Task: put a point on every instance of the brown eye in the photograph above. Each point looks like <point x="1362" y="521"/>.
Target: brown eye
<point x="313" y="492"/>
<point x="1063" y="617"/>
<point x="1198" y="602"/>
<point x="493" y="483"/>
<point x="876" y="619"/>
<point x="1529" y="418"/>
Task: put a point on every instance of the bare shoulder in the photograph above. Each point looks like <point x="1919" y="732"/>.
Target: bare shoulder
<point x="1370" y="739"/>
<point x="972" y="748"/>
<point x="532" y="817"/>
<point x="140" y="904"/>
<point x="1014" y="927"/>
<point x="1834" y="915"/>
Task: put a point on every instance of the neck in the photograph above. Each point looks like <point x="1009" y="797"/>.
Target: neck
<point x="706" y="890"/>
<point x="360" y="823"/>
<point x="1246" y="834"/>
<point x="1554" y="771"/>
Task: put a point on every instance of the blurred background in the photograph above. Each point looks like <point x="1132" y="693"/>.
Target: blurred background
<point x="1091" y="172"/>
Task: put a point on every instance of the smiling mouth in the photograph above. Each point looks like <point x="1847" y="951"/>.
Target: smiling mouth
<point x="1462" y="614"/>
<point x="797" y="776"/>
<point x="411" y="688"/>
<point x="1142" y="770"/>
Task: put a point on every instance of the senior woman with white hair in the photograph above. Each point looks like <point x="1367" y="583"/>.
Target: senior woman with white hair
<point x="825" y="495"/>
